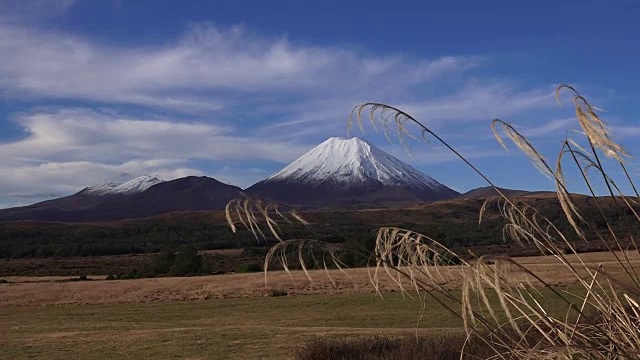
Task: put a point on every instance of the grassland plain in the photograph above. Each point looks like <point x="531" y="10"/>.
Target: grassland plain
<point x="35" y="291"/>
<point x="91" y="320"/>
<point x="249" y="328"/>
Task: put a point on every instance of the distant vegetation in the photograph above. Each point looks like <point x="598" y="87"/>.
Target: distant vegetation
<point x="33" y="239"/>
<point x="455" y="223"/>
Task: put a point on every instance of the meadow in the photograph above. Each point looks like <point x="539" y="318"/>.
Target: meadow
<point x="249" y="328"/>
<point x="231" y="316"/>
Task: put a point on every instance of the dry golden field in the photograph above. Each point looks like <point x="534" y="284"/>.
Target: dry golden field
<point x="36" y="291"/>
<point x="219" y="317"/>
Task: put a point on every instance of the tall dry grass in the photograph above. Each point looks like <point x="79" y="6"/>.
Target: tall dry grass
<point x="602" y="319"/>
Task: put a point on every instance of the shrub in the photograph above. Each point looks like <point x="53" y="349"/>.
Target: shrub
<point x="278" y="292"/>
<point x="163" y="262"/>
<point x="132" y="274"/>
<point x="205" y="266"/>
<point x="441" y="347"/>
<point x="3" y="281"/>
<point x="181" y="262"/>
<point x="111" y="277"/>
<point x="187" y="262"/>
<point x="248" y="268"/>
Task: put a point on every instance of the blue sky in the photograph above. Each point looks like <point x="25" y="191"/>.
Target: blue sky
<point x="101" y="91"/>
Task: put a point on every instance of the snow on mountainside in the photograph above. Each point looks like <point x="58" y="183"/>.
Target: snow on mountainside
<point x="134" y="186"/>
<point x="352" y="173"/>
<point x="99" y="190"/>
<point x="346" y="162"/>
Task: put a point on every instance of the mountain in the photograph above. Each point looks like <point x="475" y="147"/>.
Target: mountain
<point x="349" y="172"/>
<point x="140" y="197"/>
<point x="488" y="191"/>
<point x="88" y="198"/>
<point x="337" y="173"/>
<point x="134" y="186"/>
<point x="191" y="193"/>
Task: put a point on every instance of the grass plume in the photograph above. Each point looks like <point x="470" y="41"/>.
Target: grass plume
<point x="602" y="318"/>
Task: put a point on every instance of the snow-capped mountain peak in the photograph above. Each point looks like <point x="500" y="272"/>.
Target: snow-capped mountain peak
<point x="346" y="162"/>
<point x="137" y="185"/>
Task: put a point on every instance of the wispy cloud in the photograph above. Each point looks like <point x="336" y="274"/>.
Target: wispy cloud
<point x="546" y="129"/>
<point x="82" y="134"/>
<point x="64" y="150"/>
<point x="480" y="101"/>
<point x="205" y="69"/>
<point x="624" y="132"/>
<point x="435" y="154"/>
<point x="28" y="11"/>
<point x="233" y="97"/>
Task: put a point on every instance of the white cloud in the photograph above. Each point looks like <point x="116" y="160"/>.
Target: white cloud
<point x="65" y="150"/>
<point x="480" y="101"/>
<point x="622" y="132"/>
<point x="448" y="114"/>
<point x="243" y="99"/>
<point x="431" y="154"/>
<point x="25" y="11"/>
<point x="203" y="70"/>
<point x="554" y="127"/>
<point x="430" y="69"/>
<point x="88" y="135"/>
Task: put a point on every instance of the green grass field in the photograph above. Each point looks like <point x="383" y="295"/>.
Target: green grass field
<point x="250" y="328"/>
<point x="217" y="329"/>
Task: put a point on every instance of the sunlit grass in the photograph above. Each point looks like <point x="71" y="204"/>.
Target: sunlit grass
<point x="601" y="319"/>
